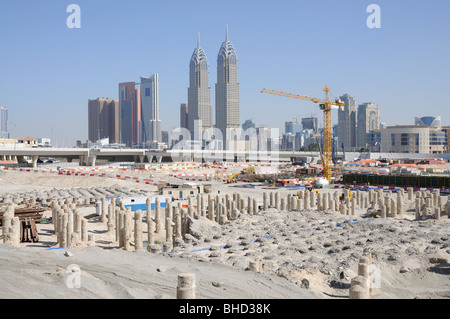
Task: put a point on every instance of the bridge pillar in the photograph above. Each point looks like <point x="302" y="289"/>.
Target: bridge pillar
<point x="93" y="159"/>
<point x="82" y="160"/>
<point x="150" y="158"/>
<point x="34" y="159"/>
<point x="141" y="158"/>
<point x="159" y="159"/>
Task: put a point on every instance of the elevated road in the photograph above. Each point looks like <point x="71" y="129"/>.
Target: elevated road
<point x="89" y="156"/>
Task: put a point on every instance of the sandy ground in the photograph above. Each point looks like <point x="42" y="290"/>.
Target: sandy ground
<point x="304" y="255"/>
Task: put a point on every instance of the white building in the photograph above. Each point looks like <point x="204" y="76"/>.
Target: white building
<point x="151" y="130"/>
<point x="368" y="120"/>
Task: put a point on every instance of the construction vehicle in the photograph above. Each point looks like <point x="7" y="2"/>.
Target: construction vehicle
<point x="326" y="106"/>
<point x="248" y="170"/>
<point x="342" y="197"/>
<point x="232" y="178"/>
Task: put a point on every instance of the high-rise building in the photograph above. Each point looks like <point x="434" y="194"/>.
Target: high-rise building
<point x="129" y="105"/>
<point x="103" y="120"/>
<point x="248" y="124"/>
<point x="309" y="123"/>
<point x="227" y="90"/>
<point x="346" y="130"/>
<point x="368" y="120"/>
<point x="199" y="92"/>
<point x="4" y="122"/>
<point x="292" y="127"/>
<point x="184" y="116"/>
<point x="150" y="122"/>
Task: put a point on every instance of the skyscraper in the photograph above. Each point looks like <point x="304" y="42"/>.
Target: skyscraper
<point x="103" y="120"/>
<point x="309" y="123"/>
<point x="184" y="116"/>
<point x="129" y="106"/>
<point x="346" y="130"/>
<point x="4" y="122"/>
<point x="368" y="120"/>
<point x="199" y="92"/>
<point x="150" y="122"/>
<point x="227" y="90"/>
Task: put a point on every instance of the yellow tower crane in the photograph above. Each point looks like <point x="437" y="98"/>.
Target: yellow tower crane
<point x="326" y="106"/>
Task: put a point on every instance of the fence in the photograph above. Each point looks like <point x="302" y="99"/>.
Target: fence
<point x="398" y="180"/>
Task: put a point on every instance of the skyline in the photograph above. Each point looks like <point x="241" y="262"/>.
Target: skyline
<point x="49" y="72"/>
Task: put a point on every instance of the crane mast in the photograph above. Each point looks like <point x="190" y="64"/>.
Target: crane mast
<point x="326" y="106"/>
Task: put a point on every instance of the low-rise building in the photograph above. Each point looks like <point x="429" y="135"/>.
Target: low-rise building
<point x="421" y="139"/>
<point x="180" y="190"/>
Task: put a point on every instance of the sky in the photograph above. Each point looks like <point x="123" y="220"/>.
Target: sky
<point x="48" y="72"/>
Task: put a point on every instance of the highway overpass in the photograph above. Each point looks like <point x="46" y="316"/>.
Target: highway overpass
<point x="88" y="157"/>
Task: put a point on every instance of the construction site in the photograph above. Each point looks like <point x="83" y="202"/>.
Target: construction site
<point x="328" y="229"/>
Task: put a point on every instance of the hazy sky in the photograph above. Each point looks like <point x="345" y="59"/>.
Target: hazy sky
<point x="48" y="71"/>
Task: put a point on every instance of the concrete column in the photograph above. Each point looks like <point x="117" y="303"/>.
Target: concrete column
<point x="417" y="209"/>
<point x="159" y="220"/>
<point x="104" y="208"/>
<point x="313" y="199"/>
<point x="306" y="201"/>
<point x="150" y="233"/>
<point x="255" y="206"/>
<point x="64" y="222"/>
<point x="168" y="211"/>
<point x="393" y="208"/>
<point x="186" y="286"/>
<point x="69" y="229"/>
<point x="199" y="204"/>
<point x="14" y="232"/>
<point x="324" y="205"/>
<point x="6" y="221"/>
<point x="93" y="160"/>
<point x="277" y="201"/>
<point x="265" y="201"/>
<point x="77" y="222"/>
<point x="255" y="266"/>
<point x="178" y="228"/>
<point x="437" y="213"/>
<point x="399" y="204"/>
<point x="84" y="230"/>
<point x="319" y="202"/>
<point x="34" y="160"/>
<point x="138" y="243"/>
<point x="299" y="204"/>
<point x="359" y="289"/>
<point x="211" y="210"/>
<point x="250" y="205"/>
<point x="169" y="229"/>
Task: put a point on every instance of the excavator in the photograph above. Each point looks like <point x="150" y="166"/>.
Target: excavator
<point x="248" y="170"/>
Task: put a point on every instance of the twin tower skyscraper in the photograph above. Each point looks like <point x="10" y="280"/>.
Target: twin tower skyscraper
<point x="226" y="91"/>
